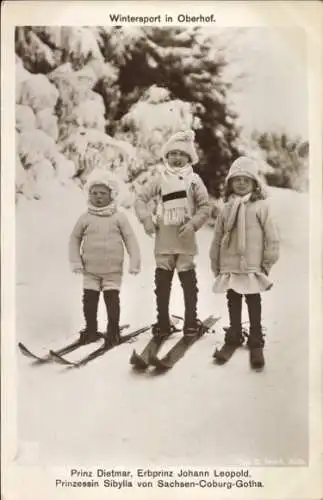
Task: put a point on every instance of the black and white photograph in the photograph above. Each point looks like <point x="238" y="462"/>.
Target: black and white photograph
<point x="162" y="287"/>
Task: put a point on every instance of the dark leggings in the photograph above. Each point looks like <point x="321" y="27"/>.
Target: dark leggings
<point x="90" y="308"/>
<point x="253" y="301"/>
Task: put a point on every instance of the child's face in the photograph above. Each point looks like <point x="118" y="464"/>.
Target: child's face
<point x="100" y="195"/>
<point x="177" y="158"/>
<point x="242" y="185"/>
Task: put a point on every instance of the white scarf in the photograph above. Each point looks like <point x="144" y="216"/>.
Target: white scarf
<point x="175" y="208"/>
<point x="106" y="211"/>
<point x="237" y="218"/>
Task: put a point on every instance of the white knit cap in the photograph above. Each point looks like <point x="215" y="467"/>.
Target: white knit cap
<point x="106" y="178"/>
<point x="244" y="166"/>
<point x="182" y="141"/>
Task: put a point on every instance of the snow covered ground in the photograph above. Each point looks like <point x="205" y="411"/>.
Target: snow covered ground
<point x="198" y="413"/>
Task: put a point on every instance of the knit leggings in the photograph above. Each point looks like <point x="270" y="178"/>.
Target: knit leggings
<point x="253" y="301"/>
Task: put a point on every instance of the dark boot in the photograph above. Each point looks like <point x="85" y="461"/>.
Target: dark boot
<point x="192" y="326"/>
<point x="233" y="335"/>
<point x="112" y="304"/>
<point x="90" y="311"/>
<point x="163" y="284"/>
<point x="256" y="339"/>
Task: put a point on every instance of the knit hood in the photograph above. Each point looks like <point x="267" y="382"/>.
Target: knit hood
<point x="248" y="167"/>
<point x="182" y="141"/>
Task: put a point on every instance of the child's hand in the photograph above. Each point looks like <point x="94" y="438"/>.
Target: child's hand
<point x="134" y="270"/>
<point x="265" y="271"/>
<point x="215" y="269"/>
<point x="186" y="230"/>
<point x="77" y="268"/>
<point x="215" y="272"/>
<point x="149" y="226"/>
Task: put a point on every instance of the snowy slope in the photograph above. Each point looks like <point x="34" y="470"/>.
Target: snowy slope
<point x="198" y="413"/>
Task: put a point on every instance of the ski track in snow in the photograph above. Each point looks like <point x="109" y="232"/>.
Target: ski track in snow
<point x="196" y="414"/>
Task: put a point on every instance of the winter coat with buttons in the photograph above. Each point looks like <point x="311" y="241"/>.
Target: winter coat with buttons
<point x="262" y="241"/>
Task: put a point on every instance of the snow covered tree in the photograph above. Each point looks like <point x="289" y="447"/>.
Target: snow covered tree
<point x="288" y="159"/>
<point x="60" y="120"/>
<point x="105" y="79"/>
<point x="189" y="64"/>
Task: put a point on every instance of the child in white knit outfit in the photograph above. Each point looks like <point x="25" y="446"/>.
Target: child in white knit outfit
<point x="182" y="208"/>
<point x="244" y="249"/>
<point x="96" y="250"/>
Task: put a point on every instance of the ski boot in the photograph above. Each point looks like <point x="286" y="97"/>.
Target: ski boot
<point x="160" y="331"/>
<point x="193" y="330"/>
<point x="89" y="336"/>
<point x="256" y="347"/>
<point x="257" y="359"/>
<point x="112" y="337"/>
<point x="232" y="340"/>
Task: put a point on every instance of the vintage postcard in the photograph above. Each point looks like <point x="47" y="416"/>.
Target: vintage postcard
<point x="161" y="331"/>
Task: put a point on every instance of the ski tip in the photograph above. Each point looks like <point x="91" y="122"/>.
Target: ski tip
<point x="26" y="352"/>
<point x="133" y="356"/>
<point x="23" y="348"/>
<point x="137" y="362"/>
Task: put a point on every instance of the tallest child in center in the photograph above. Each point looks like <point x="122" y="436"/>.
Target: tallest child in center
<point x="182" y="207"/>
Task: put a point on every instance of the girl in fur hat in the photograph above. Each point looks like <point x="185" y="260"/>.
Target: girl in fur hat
<point x="96" y="250"/>
<point x="182" y="208"/>
<point x="244" y="249"/>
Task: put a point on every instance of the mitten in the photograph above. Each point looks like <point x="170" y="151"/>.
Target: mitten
<point x="77" y="268"/>
<point x="134" y="270"/>
<point x="265" y="269"/>
<point x="186" y="230"/>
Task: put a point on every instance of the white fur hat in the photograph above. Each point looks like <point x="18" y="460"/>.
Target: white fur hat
<point x="106" y="178"/>
<point x="182" y="141"/>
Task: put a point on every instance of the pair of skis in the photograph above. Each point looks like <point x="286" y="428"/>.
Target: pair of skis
<point x="149" y="355"/>
<point x="141" y="361"/>
<point x="44" y="359"/>
<point x="58" y="355"/>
